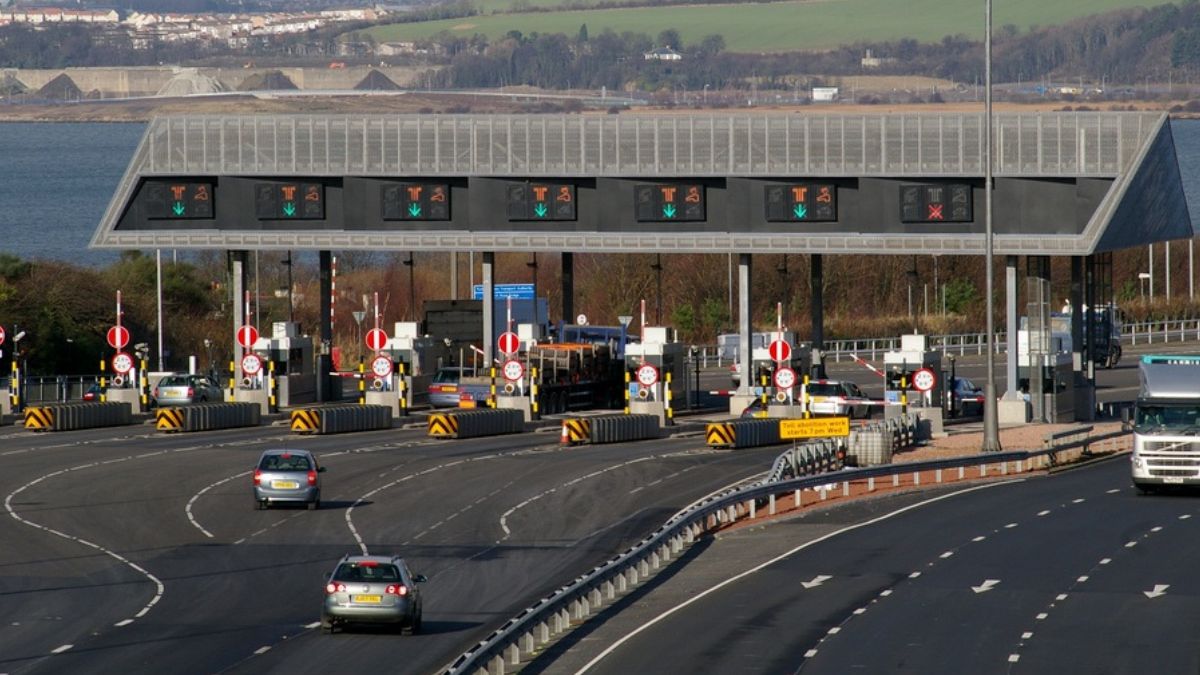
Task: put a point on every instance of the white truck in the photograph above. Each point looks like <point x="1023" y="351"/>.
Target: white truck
<point x="1166" y="423"/>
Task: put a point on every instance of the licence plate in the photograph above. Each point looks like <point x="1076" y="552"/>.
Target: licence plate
<point x="367" y="599"/>
<point x="449" y="390"/>
<point x="284" y="484"/>
<point x="819" y="399"/>
<point x="1175" y="480"/>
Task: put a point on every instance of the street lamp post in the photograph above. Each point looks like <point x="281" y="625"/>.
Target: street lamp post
<point x="291" y="307"/>
<point x="533" y="265"/>
<point x="991" y="426"/>
<point x="657" y="267"/>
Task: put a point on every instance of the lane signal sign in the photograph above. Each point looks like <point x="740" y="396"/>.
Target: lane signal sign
<point x="951" y="203"/>
<point x="810" y="202"/>
<point x="541" y="201"/>
<point x="289" y="201"/>
<point x="165" y="200"/>
<point x="667" y="202"/>
<point x="415" y="201"/>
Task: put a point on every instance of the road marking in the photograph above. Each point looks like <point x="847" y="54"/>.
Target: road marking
<point x="124" y="622"/>
<point x="1026" y="635"/>
<point x="816" y="581"/>
<point x="1130" y="544"/>
<point x="860" y="610"/>
<point x="1081" y="579"/>
<point x="159" y="588"/>
<point x="1010" y="526"/>
<point x="1079" y="501"/>
<point x="1113" y="491"/>
<point x="1156" y="528"/>
<point x="1042" y="616"/>
<point x="1060" y="597"/>
<point x="314" y="624"/>
<point x="188" y="509"/>
<point x="979" y="539"/>
<point x="59" y="650"/>
<point x="1013" y="658"/>
<point x="835" y="630"/>
<point x="262" y="650"/>
<point x="1185" y="516"/>
<point x="987" y="585"/>
<point x="1105" y="561"/>
<point x="738" y="577"/>
<point x="945" y="555"/>
<point x="1044" y="513"/>
<point x="885" y="593"/>
<point x="1159" y="591"/>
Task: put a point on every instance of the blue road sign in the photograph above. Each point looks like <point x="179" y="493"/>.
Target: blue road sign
<point x="505" y="291"/>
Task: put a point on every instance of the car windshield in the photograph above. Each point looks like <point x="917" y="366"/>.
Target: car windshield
<point x="824" y="389"/>
<point x="447" y="376"/>
<point x="1182" y="418"/>
<point x="366" y="571"/>
<point x="284" y="462"/>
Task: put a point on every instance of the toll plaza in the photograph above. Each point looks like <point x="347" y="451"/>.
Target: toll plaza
<point x="1069" y="184"/>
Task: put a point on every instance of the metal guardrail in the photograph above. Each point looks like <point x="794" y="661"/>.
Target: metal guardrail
<point x="552" y="614"/>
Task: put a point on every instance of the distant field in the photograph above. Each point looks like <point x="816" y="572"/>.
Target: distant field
<point x="773" y="27"/>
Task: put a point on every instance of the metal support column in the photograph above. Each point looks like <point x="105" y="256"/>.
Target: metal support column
<point x="745" y="325"/>
<point x="325" y="348"/>
<point x="568" y="287"/>
<point x="817" y="313"/>
<point x="1010" y="328"/>
<point x="237" y="279"/>
<point x="489" y="308"/>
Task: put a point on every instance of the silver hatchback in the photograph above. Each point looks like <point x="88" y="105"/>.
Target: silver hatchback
<point x="287" y="476"/>
<point x="372" y="589"/>
<point x="187" y="389"/>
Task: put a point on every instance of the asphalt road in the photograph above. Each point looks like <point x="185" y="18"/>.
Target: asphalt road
<point x="131" y="551"/>
<point x="1068" y="573"/>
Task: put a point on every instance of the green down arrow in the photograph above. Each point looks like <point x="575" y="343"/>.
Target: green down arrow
<point x="800" y="210"/>
<point x="414" y="210"/>
<point x="178" y="208"/>
<point x="669" y="210"/>
<point x="540" y="210"/>
<point x="289" y="209"/>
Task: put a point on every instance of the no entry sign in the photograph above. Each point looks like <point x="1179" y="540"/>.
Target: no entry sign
<point x="508" y="342"/>
<point x="376" y="339"/>
<point x="118" y="337"/>
<point x="780" y="350"/>
<point x="247" y="335"/>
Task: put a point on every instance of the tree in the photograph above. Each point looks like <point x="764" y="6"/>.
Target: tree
<point x="670" y="38"/>
<point x="583" y="34"/>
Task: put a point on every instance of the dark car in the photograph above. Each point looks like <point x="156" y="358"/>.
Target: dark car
<point x="93" y="392"/>
<point x="375" y="590"/>
<point x="965" y="399"/>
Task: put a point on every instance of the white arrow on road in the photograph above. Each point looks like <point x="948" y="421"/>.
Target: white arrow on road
<point x="816" y="581"/>
<point x="988" y="584"/>
<point x="1159" y="591"/>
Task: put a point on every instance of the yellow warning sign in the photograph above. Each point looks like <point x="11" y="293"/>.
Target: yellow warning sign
<point x="817" y="427"/>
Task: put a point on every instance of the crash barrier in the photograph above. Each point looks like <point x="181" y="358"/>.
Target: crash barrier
<point x="469" y="423"/>
<point x="528" y="633"/>
<point x="622" y="428"/>
<point x="867" y="445"/>
<point x="576" y="430"/>
<point x="68" y="416"/>
<point x="743" y="433"/>
<point x="208" y="416"/>
<point x="341" y="419"/>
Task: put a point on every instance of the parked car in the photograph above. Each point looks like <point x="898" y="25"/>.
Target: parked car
<point x="93" y="392"/>
<point x="186" y="389"/>
<point x="965" y="398"/>
<point x="287" y="476"/>
<point x="449" y="383"/>
<point x="372" y="589"/>
<point x="756" y="408"/>
<point x="832" y="397"/>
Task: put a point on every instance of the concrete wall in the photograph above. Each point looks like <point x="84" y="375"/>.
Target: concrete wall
<point x="147" y="81"/>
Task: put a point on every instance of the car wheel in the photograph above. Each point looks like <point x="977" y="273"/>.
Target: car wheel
<point x="314" y="505"/>
<point x="260" y="504"/>
<point x="415" y="627"/>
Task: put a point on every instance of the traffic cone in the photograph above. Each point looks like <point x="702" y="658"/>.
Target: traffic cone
<point x="565" y="439"/>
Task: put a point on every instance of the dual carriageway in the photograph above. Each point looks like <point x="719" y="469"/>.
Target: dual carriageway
<point x="131" y="549"/>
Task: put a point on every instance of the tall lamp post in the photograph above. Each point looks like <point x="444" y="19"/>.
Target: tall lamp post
<point x="291" y="306"/>
<point x="991" y="426"/>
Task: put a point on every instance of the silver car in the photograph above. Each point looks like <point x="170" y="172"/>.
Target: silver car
<point x="287" y="476"/>
<point x="186" y="389"/>
<point x="372" y="589"/>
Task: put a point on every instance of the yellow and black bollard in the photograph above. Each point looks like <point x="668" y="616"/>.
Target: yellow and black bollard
<point x="362" y="382"/>
<point x="272" y="403"/>
<point x="533" y="390"/>
<point x="103" y="382"/>
<point x="904" y="394"/>
<point x="403" y="387"/>
<point x="627" y="381"/>
<point x="232" y="383"/>
<point x="670" y="412"/>
<point x="804" y="399"/>
<point x="492" y="395"/>
<point x="143" y="386"/>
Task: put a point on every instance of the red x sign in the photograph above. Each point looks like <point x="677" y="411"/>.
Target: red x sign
<point x="935" y="212"/>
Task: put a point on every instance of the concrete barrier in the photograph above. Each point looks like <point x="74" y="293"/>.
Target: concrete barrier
<point x="743" y="433"/>
<point x="341" y="419"/>
<point x="470" y="423"/>
<point x="68" y="416"/>
<point x="208" y="416"/>
<point x="622" y="428"/>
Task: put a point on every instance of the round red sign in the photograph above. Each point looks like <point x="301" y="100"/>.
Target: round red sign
<point x="508" y="342"/>
<point x="780" y="350"/>
<point x="376" y="339"/>
<point x="122" y="362"/>
<point x="118" y="337"/>
<point x="247" y="335"/>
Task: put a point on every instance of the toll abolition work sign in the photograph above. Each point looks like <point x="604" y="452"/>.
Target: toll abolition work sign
<point x="816" y="427"/>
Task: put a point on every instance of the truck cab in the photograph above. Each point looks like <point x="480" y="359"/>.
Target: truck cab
<point x="1166" y="423"/>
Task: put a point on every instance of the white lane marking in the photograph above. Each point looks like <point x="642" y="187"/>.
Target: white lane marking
<point x="835" y="630"/>
<point x="1130" y="544"/>
<point x="860" y="610"/>
<point x="738" y="577"/>
<point x="979" y="539"/>
<point x="1113" y="491"/>
<point x="987" y="585"/>
<point x="159" y="588"/>
<point x="816" y="581"/>
<point x="1013" y="658"/>
<point x="123" y="622"/>
<point x="1081" y="579"/>
<point x="1105" y="561"/>
<point x="188" y="509"/>
<point x="1044" y="513"/>
<point x="1060" y="597"/>
<point x="1078" y="501"/>
<point x="945" y="555"/>
<point x="1042" y="616"/>
<point x="314" y="624"/>
<point x="1026" y="635"/>
<point x="1010" y="526"/>
<point x="59" y="650"/>
<point x="1156" y="528"/>
<point x="885" y="593"/>
<point x="1185" y="516"/>
<point x="1159" y="591"/>
<point x="262" y="650"/>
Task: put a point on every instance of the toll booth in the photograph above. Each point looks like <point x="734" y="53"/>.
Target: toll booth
<point x="1045" y="372"/>
<point x="763" y="369"/>
<point x="657" y="395"/>
<point x="914" y="359"/>
<point x="516" y="387"/>
<point x="291" y="356"/>
<point x="125" y="389"/>
<point x="413" y="354"/>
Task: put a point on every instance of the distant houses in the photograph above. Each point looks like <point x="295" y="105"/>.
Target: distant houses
<point x="663" y="54"/>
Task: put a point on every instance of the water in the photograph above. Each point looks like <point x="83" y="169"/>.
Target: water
<point x="57" y="179"/>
